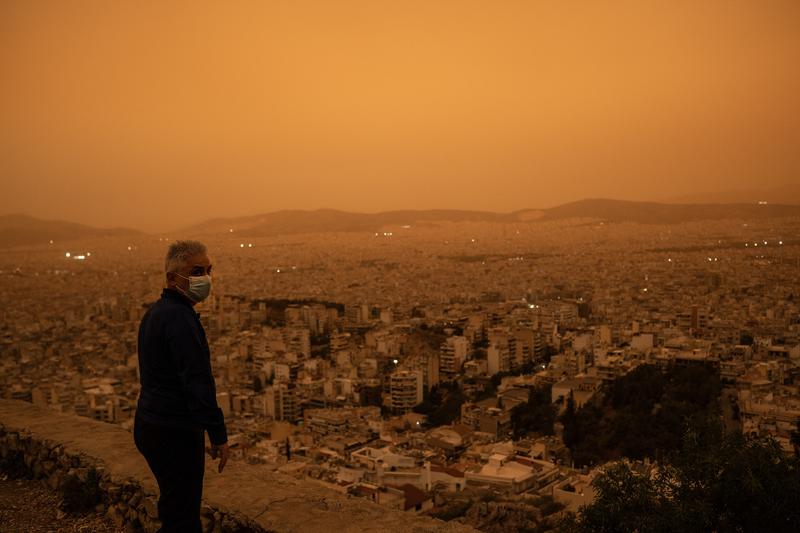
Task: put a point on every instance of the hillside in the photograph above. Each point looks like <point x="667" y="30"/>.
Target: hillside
<point x="658" y="213"/>
<point x="19" y="230"/>
<point x="22" y="230"/>
<point x="329" y="220"/>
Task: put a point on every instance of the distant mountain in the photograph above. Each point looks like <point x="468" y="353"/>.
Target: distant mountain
<point x="330" y="220"/>
<point x="784" y="194"/>
<point x="22" y="230"/>
<point x="656" y="213"/>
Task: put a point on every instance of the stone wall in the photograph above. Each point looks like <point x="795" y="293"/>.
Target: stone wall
<point x="244" y="498"/>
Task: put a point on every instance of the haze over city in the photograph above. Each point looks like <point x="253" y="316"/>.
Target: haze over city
<point x="446" y="266"/>
<point x="157" y="116"/>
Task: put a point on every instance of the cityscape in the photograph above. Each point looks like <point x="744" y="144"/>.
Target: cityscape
<point x="371" y="266"/>
<point x="440" y="367"/>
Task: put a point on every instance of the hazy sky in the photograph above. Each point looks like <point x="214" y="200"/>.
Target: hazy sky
<point x="159" y="114"/>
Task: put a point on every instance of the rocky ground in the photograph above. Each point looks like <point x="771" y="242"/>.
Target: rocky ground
<point x="29" y="506"/>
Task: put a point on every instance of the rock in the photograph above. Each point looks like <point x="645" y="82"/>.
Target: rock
<point x="48" y="467"/>
<point x="82" y="473"/>
<point x="207" y="523"/>
<point x="135" y="499"/>
<point x="114" y="492"/>
<point x="152" y="525"/>
<point x="228" y="525"/>
<point x="114" y="514"/>
<point x="150" y="507"/>
<point x="54" y="481"/>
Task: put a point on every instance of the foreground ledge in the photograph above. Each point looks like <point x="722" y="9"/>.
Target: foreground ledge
<point x="245" y="498"/>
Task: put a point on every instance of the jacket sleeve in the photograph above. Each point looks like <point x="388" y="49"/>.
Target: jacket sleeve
<point x="188" y="351"/>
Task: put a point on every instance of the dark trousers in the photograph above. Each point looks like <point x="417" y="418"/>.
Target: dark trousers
<point x="177" y="459"/>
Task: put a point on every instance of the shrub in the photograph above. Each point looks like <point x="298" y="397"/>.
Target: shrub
<point x="79" y="496"/>
<point x="453" y="511"/>
<point x="13" y="465"/>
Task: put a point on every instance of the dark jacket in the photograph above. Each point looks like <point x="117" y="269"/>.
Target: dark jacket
<point x="178" y="388"/>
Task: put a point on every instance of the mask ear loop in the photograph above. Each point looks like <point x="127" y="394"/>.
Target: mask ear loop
<point x="190" y="280"/>
<point x="181" y="290"/>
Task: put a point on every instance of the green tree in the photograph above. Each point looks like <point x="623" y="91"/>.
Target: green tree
<point x="449" y="408"/>
<point x="537" y="415"/>
<point x="568" y="418"/>
<point x="795" y="438"/>
<point x="626" y="500"/>
<point x="716" y="482"/>
<point x="643" y="414"/>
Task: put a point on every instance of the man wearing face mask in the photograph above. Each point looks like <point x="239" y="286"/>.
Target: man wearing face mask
<point x="178" y="402"/>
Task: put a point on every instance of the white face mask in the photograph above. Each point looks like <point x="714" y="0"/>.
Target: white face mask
<point x="199" y="287"/>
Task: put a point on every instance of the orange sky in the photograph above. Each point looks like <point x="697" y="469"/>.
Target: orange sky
<point x="159" y="114"/>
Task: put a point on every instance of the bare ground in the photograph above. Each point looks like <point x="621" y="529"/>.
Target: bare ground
<point x="29" y="506"/>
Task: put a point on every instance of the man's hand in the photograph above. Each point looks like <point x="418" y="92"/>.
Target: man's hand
<point x="223" y="452"/>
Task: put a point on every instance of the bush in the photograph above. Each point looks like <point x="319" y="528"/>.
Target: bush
<point x="551" y="508"/>
<point x="642" y="415"/>
<point x="716" y="482"/>
<point x="453" y="511"/>
<point x="79" y="496"/>
<point x="537" y="415"/>
<point x="13" y="465"/>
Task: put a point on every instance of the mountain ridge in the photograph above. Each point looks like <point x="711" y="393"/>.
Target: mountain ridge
<point x="19" y="229"/>
<point x="607" y="210"/>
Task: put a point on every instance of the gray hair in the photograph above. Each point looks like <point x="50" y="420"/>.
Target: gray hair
<point x="179" y="251"/>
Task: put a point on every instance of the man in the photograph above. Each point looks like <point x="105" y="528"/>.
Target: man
<point x="178" y="400"/>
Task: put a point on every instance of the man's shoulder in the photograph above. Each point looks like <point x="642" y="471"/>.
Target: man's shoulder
<point x="168" y="308"/>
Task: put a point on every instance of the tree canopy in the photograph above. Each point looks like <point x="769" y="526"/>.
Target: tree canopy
<point x="716" y="482"/>
<point x="536" y="415"/>
<point x="641" y="415"/>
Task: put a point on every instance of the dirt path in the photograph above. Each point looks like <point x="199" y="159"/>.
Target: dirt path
<point x="28" y="506"/>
